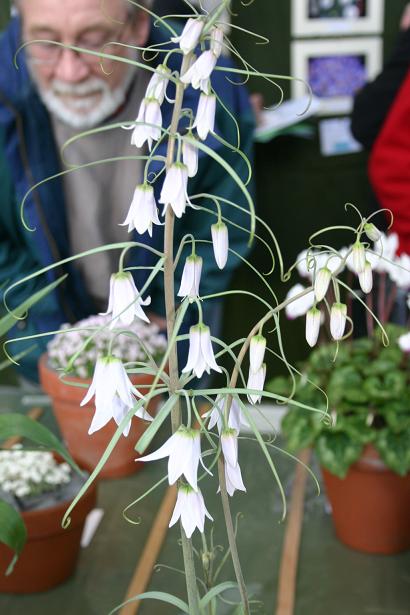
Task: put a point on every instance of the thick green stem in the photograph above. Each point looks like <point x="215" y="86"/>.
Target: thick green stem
<point x="187" y="551"/>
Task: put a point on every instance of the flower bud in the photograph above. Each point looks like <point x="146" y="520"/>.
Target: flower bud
<point x="312" y="326"/>
<point x="404" y="342"/>
<point x="257" y="352"/>
<point x="322" y="282"/>
<point x="358" y="257"/>
<point x="217" y="39"/>
<point x="338" y="315"/>
<point x="372" y="231"/>
<point x="366" y="278"/>
<point x="190" y="157"/>
<point x="220" y="241"/>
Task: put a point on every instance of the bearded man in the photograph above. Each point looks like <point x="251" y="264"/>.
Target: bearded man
<point x="58" y="92"/>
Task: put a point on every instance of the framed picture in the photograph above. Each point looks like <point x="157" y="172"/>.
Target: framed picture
<point x="334" y="69"/>
<point x="336" y="17"/>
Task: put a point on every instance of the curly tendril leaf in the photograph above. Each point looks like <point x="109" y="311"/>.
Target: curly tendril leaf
<point x="259" y="220"/>
<point x="232" y="173"/>
<point x="20" y="312"/>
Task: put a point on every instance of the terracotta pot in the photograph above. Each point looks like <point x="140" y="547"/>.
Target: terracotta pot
<point x="371" y="506"/>
<point x="50" y="554"/>
<point x="74" y="421"/>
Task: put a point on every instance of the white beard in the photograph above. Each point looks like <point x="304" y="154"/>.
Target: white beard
<point x="84" y="112"/>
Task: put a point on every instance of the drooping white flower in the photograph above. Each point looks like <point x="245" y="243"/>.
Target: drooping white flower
<point x="256" y="381"/>
<point x="158" y="84"/>
<point x="400" y="271"/>
<point x="366" y="278"/>
<point x="299" y="306"/>
<point x="236" y="417"/>
<point x="114" y="394"/>
<point x="148" y="123"/>
<point x="183" y="449"/>
<point x="205" y="115"/>
<point x="386" y="247"/>
<point x="190" y="507"/>
<point x="404" y="342"/>
<point x="338" y="315"/>
<point x="191" y="277"/>
<point x="190" y="156"/>
<point x="359" y="257"/>
<point x="190" y="36"/>
<point x="220" y="242"/>
<point x="322" y="282"/>
<point x="174" y="189"/>
<point x="372" y="231"/>
<point x="233" y="475"/>
<point x="198" y="74"/>
<point x="313" y="318"/>
<point x="125" y="303"/>
<point x="257" y="352"/>
<point x="217" y="39"/>
<point x="143" y="212"/>
<point x="201" y="355"/>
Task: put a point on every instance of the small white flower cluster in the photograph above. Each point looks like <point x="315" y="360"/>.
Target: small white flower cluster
<point x="320" y="268"/>
<point x="25" y="473"/>
<point x="128" y="348"/>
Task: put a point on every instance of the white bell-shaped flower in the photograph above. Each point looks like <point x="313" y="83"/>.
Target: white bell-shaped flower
<point x="257" y="352"/>
<point x="190" y="508"/>
<point x="158" y="84"/>
<point x="256" y="381"/>
<point x="322" y="282"/>
<point x="143" y="212"/>
<point x="217" y="39"/>
<point x="358" y="257"/>
<point x="220" y="243"/>
<point x="205" y="115"/>
<point x="125" y="303"/>
<point x="174" y="189"/>
<point x="366" y="278"/>
<point x="190" y="36"/>
<point x="233" y="475"/>
<point x="190" y="156"/>
<point x="313" y="318"/>
<point x="149" y="123"/>
<point x="191" y="277"/>
<point x="236" y="417"/>
<point x="201" y="356"/>
<point x="386" y="248"/>
<point x="338" y="315"/>
<point x="183" y="450"/>
<point x="298" y="307"/>
<point x="200" y="71"/>
<point x="114" y="394"/>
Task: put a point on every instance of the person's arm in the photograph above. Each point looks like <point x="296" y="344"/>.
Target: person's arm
<point x="372" y="103"/>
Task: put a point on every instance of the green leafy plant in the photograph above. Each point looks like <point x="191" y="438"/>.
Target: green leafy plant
<point x="367" y="390"/>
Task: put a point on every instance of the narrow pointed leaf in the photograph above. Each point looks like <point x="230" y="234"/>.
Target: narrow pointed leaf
<point x="13" y="532"/>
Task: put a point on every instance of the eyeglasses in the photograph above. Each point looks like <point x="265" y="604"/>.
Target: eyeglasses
<point x="49" y="52"/>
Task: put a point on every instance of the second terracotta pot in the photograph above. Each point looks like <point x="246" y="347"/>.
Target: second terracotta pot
<point x="371" y="506"/>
